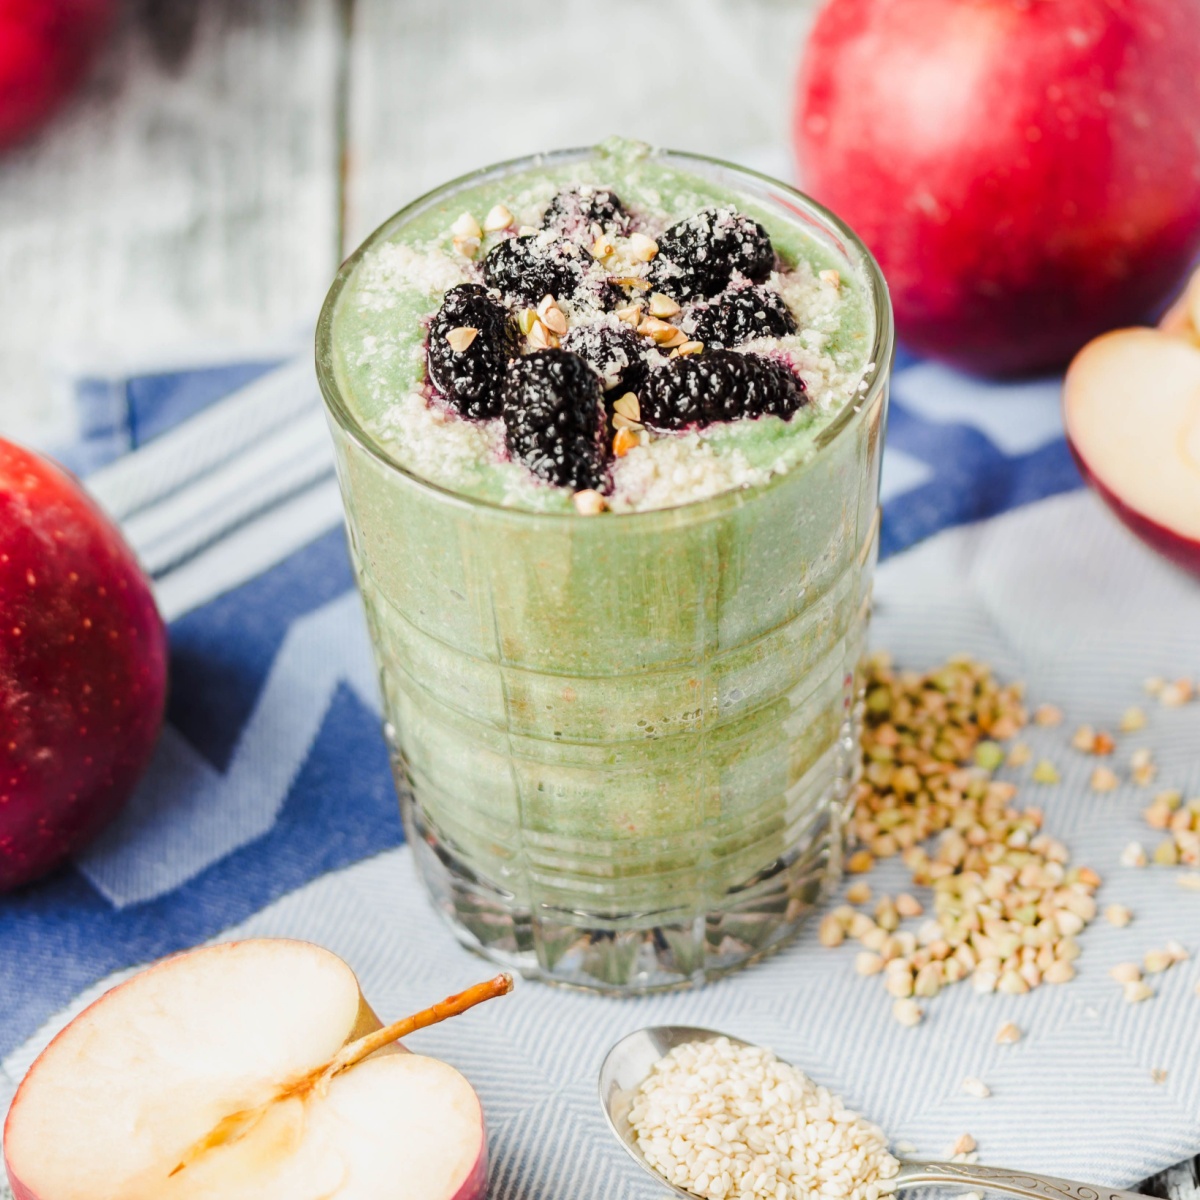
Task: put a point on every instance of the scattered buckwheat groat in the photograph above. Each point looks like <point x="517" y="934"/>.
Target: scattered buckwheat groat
<point x="727" y="1121"/>
<point x="1007" y="904"/>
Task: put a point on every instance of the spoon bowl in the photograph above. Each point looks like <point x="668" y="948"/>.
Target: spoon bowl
<point x="629" y="1063"/>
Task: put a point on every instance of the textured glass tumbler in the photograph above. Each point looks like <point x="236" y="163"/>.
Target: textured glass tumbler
<point x="624" y="743"/>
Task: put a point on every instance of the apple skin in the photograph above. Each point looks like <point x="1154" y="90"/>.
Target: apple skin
<point x="1182" y="551"/>
<point x="83" y="667"/>
<point x="1026" y="173"/>
<point x="46" y="47"/>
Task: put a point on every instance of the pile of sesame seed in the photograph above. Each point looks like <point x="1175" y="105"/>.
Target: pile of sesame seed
<point x="733" y="1122"/>
<point x="1007" y="902"/>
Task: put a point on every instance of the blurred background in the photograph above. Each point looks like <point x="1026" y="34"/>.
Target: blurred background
<point x="222" y="156"/>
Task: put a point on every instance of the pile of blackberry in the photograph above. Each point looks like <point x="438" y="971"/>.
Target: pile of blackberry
<point x="553" y="400"/>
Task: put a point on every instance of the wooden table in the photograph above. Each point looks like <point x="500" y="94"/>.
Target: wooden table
<point x="197" y="198"/>
<point x="227" y="154"/>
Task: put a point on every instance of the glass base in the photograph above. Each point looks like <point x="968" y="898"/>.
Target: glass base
<point x="637" y="952"/>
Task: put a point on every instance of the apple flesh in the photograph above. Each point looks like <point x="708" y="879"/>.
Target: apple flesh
<point x="121" y="1098"/>
<point x="46" y="47"/>
<point x="1027" y="174"/>
<point x="83" y="667"/>
<point x="1131" y="405"/>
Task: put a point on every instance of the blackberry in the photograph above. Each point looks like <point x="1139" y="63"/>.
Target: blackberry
<point x="575" y="210"/>
<point x="738" y="316"/>
<point x="554" y="418"/>
<point x="525" y="270"/>
<point x="698" y="256"/>
<point x="472" y="379"/>
<point x="614" y="352"/>
<point x="719" y="385"/>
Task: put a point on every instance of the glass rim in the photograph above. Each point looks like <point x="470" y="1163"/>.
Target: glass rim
<point x="876" y="375"/>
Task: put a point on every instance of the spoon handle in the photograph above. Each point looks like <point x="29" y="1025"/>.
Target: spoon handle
<point x="1013" y="1183"/>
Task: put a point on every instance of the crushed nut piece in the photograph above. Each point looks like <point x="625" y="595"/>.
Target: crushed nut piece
<point x="976" y="1087"/>
<point x="552" y="316"/>
<point x="466" y="226"/>
<point x="631" y="314"/>
<point x="1158" y="1075"/>
<point x="663" y="306"/>
<point x="498" y="218"/>
<point x="1128" y="972"/>
<point x="1177" y="694"/>
<point x="602" y="247"/>
<point x="830" y="931"/>
<point x="908" y="905"/>
<point x="831" y="277"/>
<point x="965" y="1145"/>
<point x="628" y="406"/>
<point x="685" y="348"/>
<point x="589" y="502"/>
<point x="907" y="1012"/>
<point x="1048" y="715"/>
<point x="541" y="338"/>
<point x="526" y="320"/>
<point x="1118" y="915"/>
<point x="1104" y="779"/>
<point x="468" y="247"/>
<point x="461" y="338"/>
<point x="624" y="441"/>
<point x="1008" y="1034"/>
<point x="859" y="893"/>
<point x="642" y="247"/>
<point x="659" y="331"/>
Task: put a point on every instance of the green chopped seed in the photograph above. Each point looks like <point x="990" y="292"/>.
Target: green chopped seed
<point x="1045" y="772"/>
<point x="989" y="756"/>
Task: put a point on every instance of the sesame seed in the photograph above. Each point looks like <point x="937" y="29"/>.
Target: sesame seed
<point x="721" y="1120"/>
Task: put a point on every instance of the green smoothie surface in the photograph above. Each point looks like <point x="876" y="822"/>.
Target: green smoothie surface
<point x="382" y="316"/>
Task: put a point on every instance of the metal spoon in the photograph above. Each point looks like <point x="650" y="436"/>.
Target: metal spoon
<point x="629" y="1062"/>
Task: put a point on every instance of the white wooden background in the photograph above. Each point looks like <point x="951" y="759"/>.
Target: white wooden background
<point x="226" y="154"/>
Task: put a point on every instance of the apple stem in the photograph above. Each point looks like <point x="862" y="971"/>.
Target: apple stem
<point x="452" y="1006"/>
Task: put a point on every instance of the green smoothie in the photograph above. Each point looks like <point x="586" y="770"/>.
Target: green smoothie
<point x="623" y="715"/>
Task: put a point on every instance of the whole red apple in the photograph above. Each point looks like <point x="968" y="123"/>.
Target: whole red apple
<point x="46" y="47"/>
<point x="83" y="667"/>
<point x="1027" y="172"/>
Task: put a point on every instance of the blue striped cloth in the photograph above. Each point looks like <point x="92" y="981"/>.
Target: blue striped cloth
<point x="272" y="774"/>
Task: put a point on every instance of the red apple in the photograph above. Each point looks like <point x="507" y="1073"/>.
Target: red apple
<point x="1131" y="404"/>
<point x="83" y="667"/>
<point x="248" y="1071"/>
<point x="1027" y="173"/>
<point x="46" y="46"/>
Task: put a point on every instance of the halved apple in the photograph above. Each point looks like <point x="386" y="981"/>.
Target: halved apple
<point x="234" y="1072"/>
<point x="1131" y="403"/>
